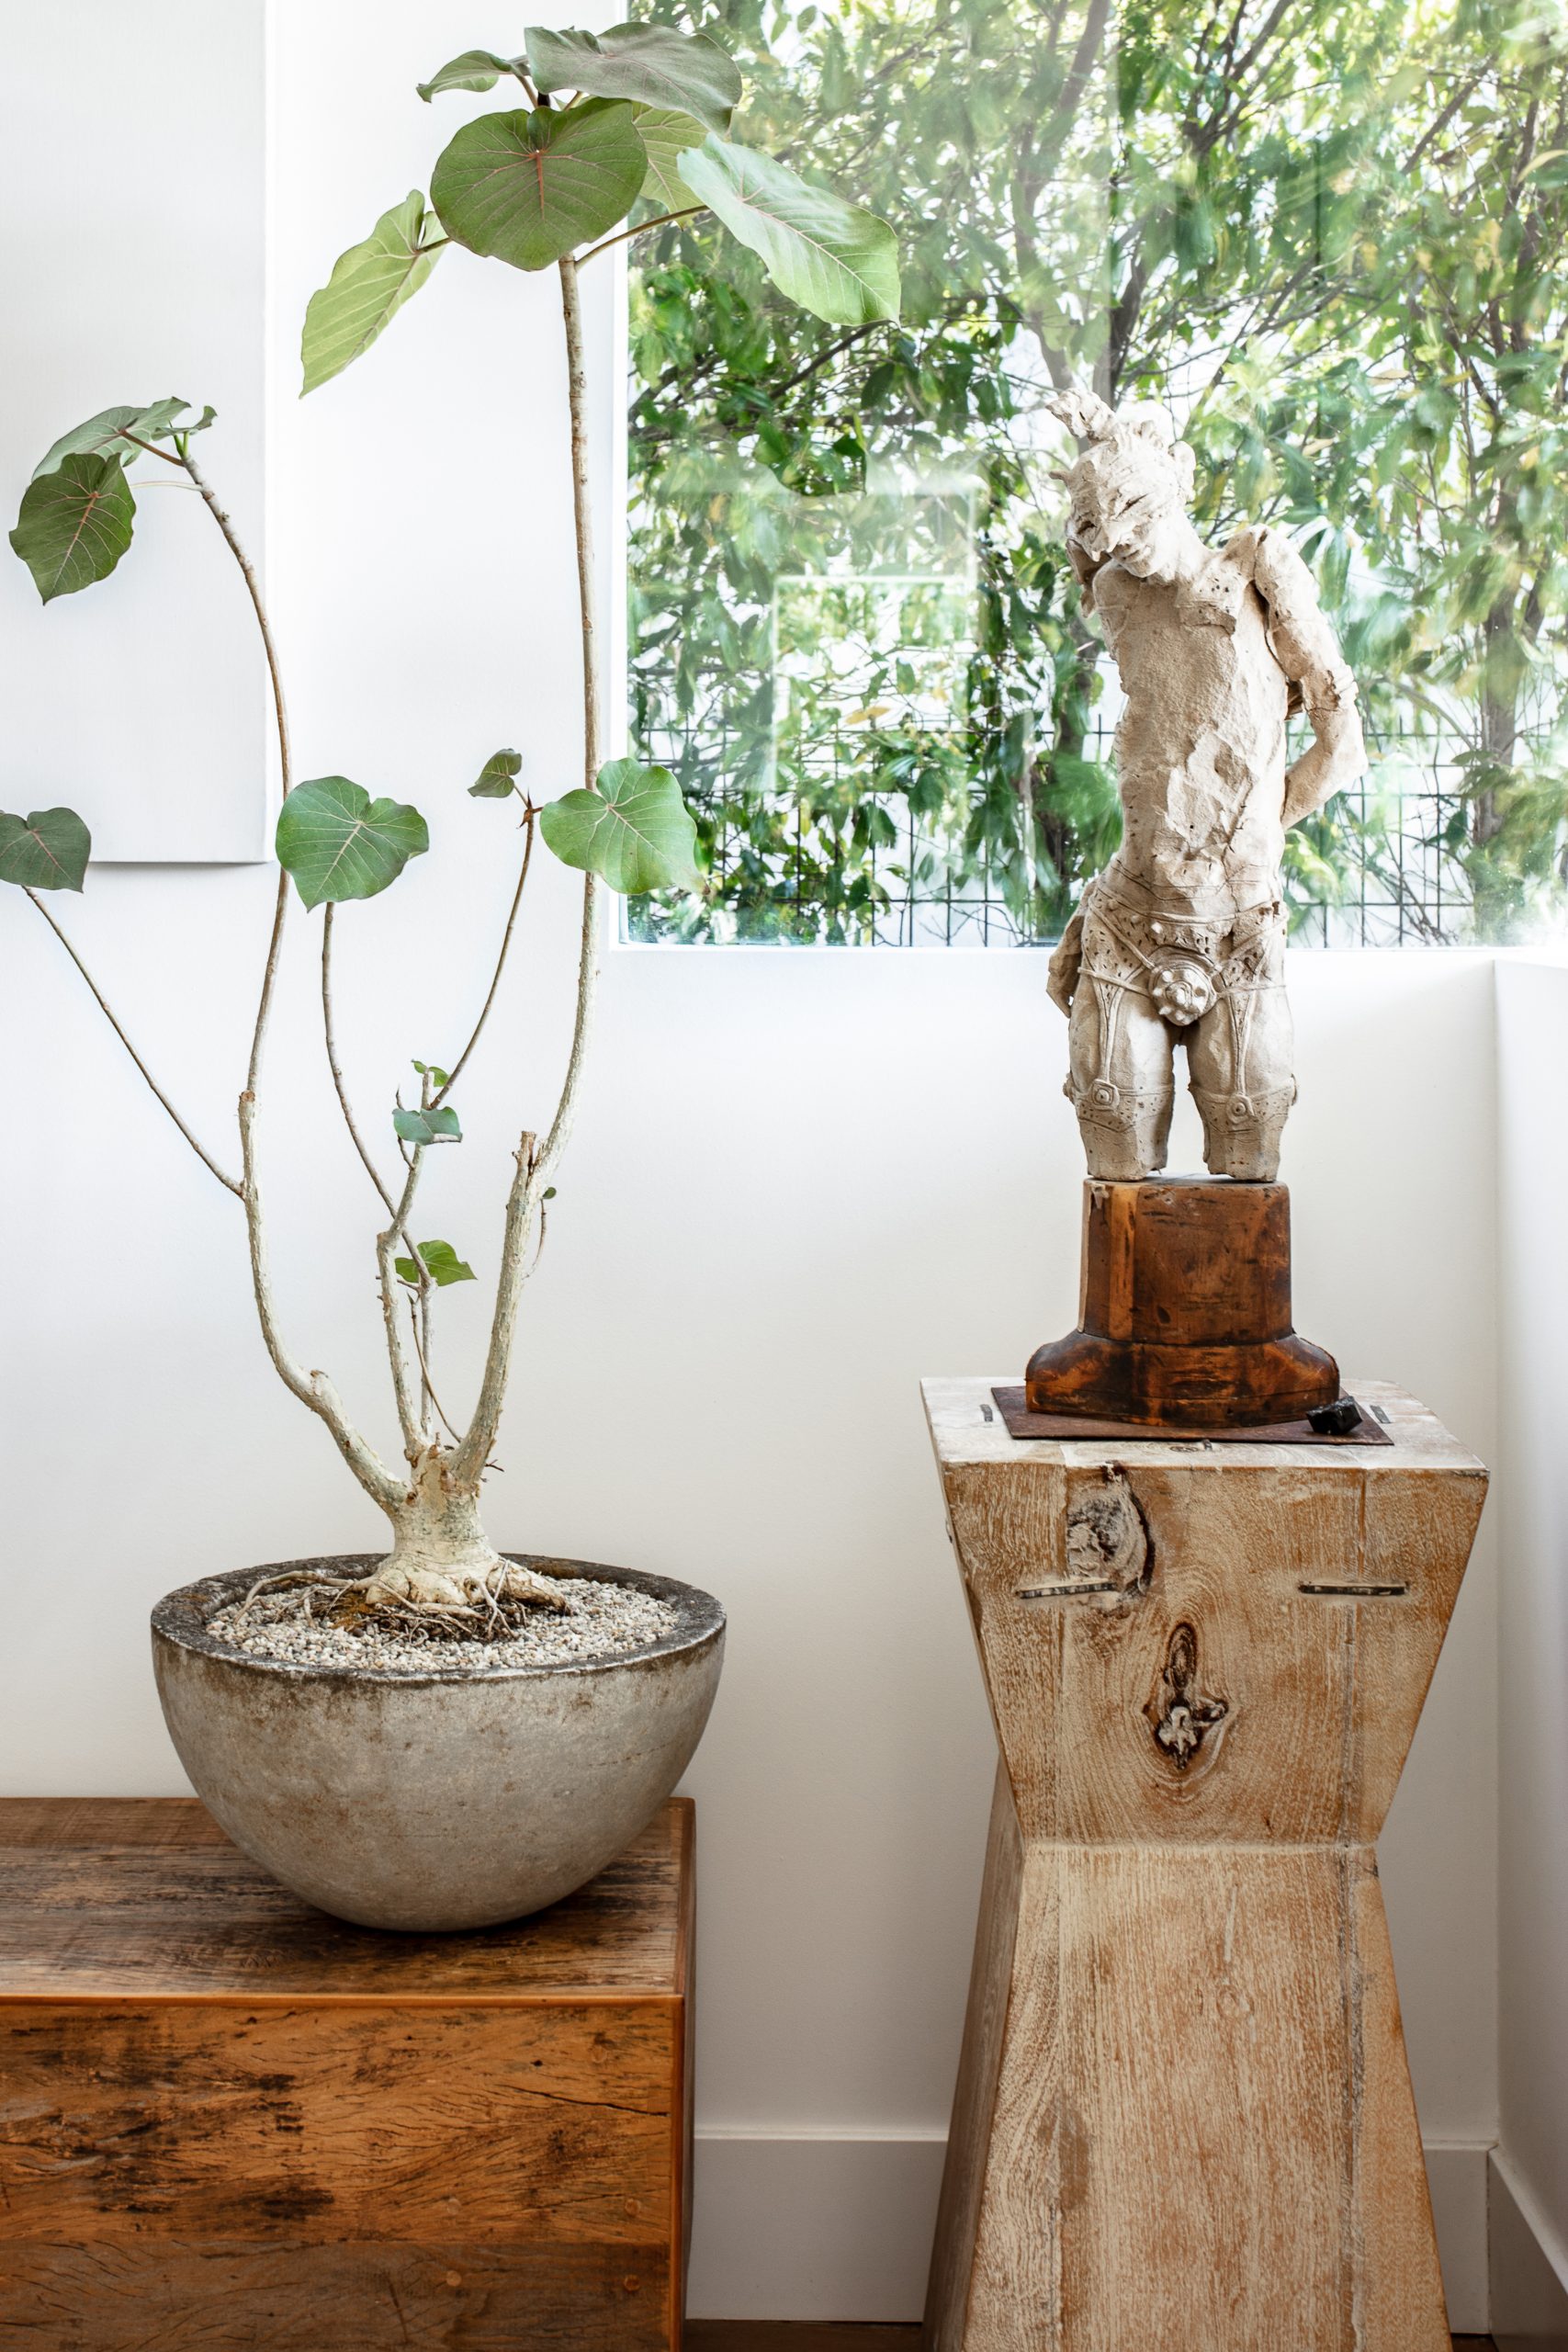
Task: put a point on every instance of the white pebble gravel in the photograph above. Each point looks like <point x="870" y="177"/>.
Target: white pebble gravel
<point x="606" y="1620"/>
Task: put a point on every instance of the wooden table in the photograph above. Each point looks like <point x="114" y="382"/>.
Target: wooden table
<point x="229" y="2121"/>
<point x="1183" y="2121"/>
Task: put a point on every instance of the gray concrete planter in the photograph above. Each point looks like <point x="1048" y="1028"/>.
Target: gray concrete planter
<point x="434" y="1801"/>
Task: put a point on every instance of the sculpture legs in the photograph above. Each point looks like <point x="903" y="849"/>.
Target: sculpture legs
<point x="1239" y="1044"/>
<point x="1120" y="1083"/>
<point x="1241" y="1062"/>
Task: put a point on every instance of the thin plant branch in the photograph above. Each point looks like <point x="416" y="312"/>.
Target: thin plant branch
<point x="403" y="1385"/>
<point x="420" y="1307"/>
<point x="660" y="221"/>
<point x="332" y="1064"/>
<point x="312" y="1388"/>
<point x="588" y="949"/>
<point x="530" y="820"/>
<point x="532" y="1164"/>
<point x="424" y="1370"/>
<point x="474" y="1451"/>
<point x="232" y="1184"/>
<point x="285" y="756"/>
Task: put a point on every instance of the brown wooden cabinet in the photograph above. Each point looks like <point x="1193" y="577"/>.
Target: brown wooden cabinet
<point x="231" y="2123"/>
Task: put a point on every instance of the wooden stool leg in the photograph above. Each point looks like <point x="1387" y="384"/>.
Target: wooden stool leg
<point x="1184" y="2118"/>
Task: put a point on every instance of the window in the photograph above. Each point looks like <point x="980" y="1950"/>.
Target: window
<point x="1329" y="235"/>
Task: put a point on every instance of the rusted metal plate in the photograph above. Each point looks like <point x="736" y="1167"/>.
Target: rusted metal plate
<point x="1013" y="1407"/>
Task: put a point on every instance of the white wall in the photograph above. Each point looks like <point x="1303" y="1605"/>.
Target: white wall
<point x="131" y="269"/>
<point x="1532" y="1023"/>
<point x="800" y="1180"/>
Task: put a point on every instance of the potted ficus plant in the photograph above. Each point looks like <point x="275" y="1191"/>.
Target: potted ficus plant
<point x="449" y="1735"/>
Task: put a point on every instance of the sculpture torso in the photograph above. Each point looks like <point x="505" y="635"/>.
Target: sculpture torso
<point x="1201" y="747"/>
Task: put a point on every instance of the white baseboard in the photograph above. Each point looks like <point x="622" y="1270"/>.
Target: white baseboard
<point x="812" y="2226"/>
<point x="1456" y="2174"/>
<point x="837" y="2225"/>
<point x="1529" y="2267"/>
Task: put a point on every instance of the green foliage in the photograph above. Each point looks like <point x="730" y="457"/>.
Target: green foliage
<point x="74" y="524"/>
<point x="477" y="69"/>
<point x="437" y="1076"/>
<point x="497" y="778"/>
<point x="1333" y="238"/>
<point x="634" y="829"/>
<point x="121" y="431"/>
<point x="653" y="64"/>
<point x="48" y="851"/>
<point x="836" y="262"/>
<point x="369" y="285"/>
<point x="441" y="1263"/>
<point x="338" y="843"/>
<point x="529" y="188"/>
<point x="427" y="1126"/>
<point x="666" y="135"/>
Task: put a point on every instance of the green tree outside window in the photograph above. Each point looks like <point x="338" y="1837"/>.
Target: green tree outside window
<point x="1330" y="232"/>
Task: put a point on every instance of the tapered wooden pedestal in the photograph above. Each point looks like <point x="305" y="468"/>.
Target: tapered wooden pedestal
<point x="1183" y="2121"/>
<point x="229" y="2124"/>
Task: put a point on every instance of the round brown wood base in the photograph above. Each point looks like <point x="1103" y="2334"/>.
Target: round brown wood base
<point x="1184" y="1312"/>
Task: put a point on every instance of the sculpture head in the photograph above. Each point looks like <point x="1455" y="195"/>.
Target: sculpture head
<point x="1129" y="488"/>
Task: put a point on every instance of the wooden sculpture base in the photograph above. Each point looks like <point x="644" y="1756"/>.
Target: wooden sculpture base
<point x="1183" y="2121"/>
<point x="1184" y="1312"/>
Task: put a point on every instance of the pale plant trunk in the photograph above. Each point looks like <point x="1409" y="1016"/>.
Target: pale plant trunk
<point x="441" y="1556"/>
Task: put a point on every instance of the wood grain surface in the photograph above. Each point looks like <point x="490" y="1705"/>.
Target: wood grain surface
<point x="302" y="2298"/>
<point x="193" y="2121"/>
<point x="1183" y="2115"/>
<point x="228" y="2121"/>
<point x="1184" y="1311"/>
<point x="164" y="1908"/>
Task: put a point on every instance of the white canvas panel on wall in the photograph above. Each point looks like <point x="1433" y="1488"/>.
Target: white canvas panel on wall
<point x="132" y="268"/>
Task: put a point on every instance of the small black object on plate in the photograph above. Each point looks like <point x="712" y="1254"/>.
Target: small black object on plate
<point x="1337" y="1420"/>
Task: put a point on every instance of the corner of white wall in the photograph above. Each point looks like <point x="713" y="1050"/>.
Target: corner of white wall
<point x="1529" y="2174"/>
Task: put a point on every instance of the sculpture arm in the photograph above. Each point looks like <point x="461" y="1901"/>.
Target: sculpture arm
<point x="1308" y="651"/>
<point x="1085" y="566"/>
<point x="1062" y="972"/>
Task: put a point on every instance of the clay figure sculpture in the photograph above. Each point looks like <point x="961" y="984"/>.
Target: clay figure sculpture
<point x="1182" y="937"/>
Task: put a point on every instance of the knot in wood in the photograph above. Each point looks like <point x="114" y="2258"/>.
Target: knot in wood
<point x="1180" y="1714"/>
<point x="1108" y="1538"/>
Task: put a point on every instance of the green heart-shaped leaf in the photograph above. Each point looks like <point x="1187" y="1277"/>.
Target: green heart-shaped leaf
<point x="477" y="69"/>
<point x="653" y="64"/>
<point x="438" y="1077"/>
<point x="108" y="433"/>
<point x="442" y="1263"/>
<point x="368" y="287"/>
<point x="529" y="188"/>
<point x="338" y="843"/>
<point x="635" y="829"/>
<point x="495" y="776"/>
<point x="427" y="1126"/>
<point x="74" y="524"/>
<point x="48" y="851"/>
<point x="667" y="134"/>
<point x="836" y="262"/>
